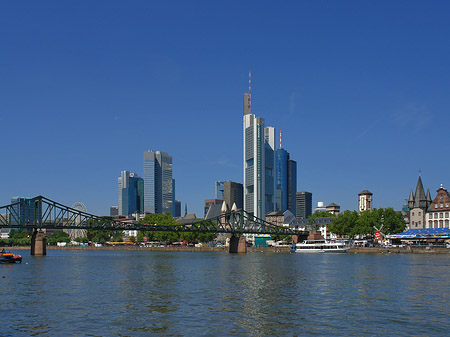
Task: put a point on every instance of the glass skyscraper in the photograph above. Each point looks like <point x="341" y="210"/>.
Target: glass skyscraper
<point x="259" y="163"/>
<point x="131" y="193"/>
<point x="25" y="211"/>
<point x="158" y="183"/>
<point x="286" y="181"/>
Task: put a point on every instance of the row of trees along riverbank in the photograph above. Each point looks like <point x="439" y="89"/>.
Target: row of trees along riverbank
<point x="22" y="237"/>
<point x="352" y="224"/>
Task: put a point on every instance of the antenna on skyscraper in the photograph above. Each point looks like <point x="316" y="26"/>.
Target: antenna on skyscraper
<point x="280" y="140"/>
<point x="249" y="90"/>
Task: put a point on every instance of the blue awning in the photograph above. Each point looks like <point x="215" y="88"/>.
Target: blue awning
<point x="424" y="233"/>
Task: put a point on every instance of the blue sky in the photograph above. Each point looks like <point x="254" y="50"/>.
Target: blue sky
<point x="360" y="90"/>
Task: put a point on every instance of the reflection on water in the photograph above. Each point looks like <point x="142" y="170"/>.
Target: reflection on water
<point x="119" y="293"/>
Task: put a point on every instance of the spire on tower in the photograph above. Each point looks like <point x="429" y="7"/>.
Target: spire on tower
<point x="280" y="140"/>
<point x="249" y="91"/>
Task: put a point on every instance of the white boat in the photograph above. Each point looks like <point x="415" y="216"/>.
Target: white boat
<point x="320" y="246"/>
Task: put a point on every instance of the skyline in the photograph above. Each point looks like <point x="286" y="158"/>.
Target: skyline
<point x="359" y="90"/>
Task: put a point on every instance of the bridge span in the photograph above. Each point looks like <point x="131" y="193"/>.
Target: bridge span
<point x="41" y="213"/>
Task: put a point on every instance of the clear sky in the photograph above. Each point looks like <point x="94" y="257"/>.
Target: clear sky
<point x="360" y="90"/>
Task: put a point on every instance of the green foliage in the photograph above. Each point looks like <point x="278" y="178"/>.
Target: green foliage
<point x="169" y="236"/>
<point x="351" y="223"/>
<point x="58" y="236"/>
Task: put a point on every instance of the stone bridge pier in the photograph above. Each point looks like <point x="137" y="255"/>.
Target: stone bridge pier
<point x="38" y="242"/>
<point x="237" y="244"/>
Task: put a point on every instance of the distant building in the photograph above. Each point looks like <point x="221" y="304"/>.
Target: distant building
<point x="280" y="218"/>
<point x="177" y="209"/>
<point x="439" y="210"/>
<point x="286" y="181"/>
<point x="259" y="162"/>
<point x="333" y="208"/>
<point x="304" y="205"/>
<point x="365" y="201"/>
<point x="114" y="210"/>
<point x="418" y="204"/>
<point x="209" y="203"/>
<point x="158" y="183"/>
<point x="218" y="190"/>
<point x="131" y="193"/>
<point x="233" y="193"/>
<point x="320" y="207"/>
<point x="25" y="212"/>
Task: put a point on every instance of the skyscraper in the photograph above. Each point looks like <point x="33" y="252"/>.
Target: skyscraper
<point x="131" y="193"/>
<point x="233" y="194"/>
<point x="304" y="205"/>
<point x="259" y="162"/>
<point x="158" y="183"/>
<point x="286" y="181"/>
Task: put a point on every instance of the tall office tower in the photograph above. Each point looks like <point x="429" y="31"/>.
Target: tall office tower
<point x="233" y="193"/>
<point x="304" y="205"/>
<point x="282" y="157"/>
<point x="131" y="193"/>
<point x="286" y="181"/>
<point x="177" y="209"/>
<point x="25" y="211"/>
<point x="158" y="184"/>
<point x="218" y="190"/>
<point x="292" y="186"/>
<point x="259" y="162"/>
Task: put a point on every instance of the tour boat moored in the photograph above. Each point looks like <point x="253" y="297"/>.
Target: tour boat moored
<point x="320" y="246"/>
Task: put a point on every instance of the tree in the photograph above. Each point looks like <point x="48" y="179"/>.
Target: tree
<point x="344" y="223"/>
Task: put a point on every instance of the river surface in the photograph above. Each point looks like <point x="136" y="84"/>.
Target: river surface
<point x="132" y="293"/>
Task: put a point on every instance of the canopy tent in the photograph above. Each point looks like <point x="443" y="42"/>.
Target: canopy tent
<point x="425" y="233"/>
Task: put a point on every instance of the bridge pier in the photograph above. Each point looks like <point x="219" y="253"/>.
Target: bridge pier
<point x="38" y="242"/>
<point x="237" y="244"/>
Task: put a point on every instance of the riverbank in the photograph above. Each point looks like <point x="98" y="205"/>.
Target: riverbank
<point x="354" y="250"/>
<point x="161" y="249"/>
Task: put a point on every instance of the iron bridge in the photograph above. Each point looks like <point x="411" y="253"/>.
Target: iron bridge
<point x="43" y="213"/>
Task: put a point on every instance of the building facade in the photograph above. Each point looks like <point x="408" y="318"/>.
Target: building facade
<point x="304" y="205"/>
<point x="131" y="193"/>
<point x="209" y="203"/>
<point x="158" y="182"/>
<point x="418" y="204"/>
<point x="259" y="163"/>
<point x="25" y="211"/>
<point x="233" y="193"/>
<point x="365" y="201"/>
<point x="438" y="212"/>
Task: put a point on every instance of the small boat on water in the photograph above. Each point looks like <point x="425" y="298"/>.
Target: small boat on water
<point x="8" y="257"/>
<point x="320" y="246"/>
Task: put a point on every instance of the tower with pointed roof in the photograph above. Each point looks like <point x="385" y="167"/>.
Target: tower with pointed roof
<point x="418" y="204"/>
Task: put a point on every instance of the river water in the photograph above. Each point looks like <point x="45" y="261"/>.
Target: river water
<point x="133" y="293"/>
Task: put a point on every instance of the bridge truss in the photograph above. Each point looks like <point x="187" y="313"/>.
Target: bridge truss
<point x="43" y="213"/>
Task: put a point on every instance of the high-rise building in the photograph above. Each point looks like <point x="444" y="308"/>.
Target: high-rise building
<point x="292" y="186"/>
<point x="259" y="162"/>
<point x="177" y="209"/>
<point x="218" y="190"/>
<point x="286" y="181"/>
<point x="131" y="193"/>
<point x="233" y="193"/>
<point x="25" y="211"/>
<point x="304" y="205"/>
<point x="158" y="184"/>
